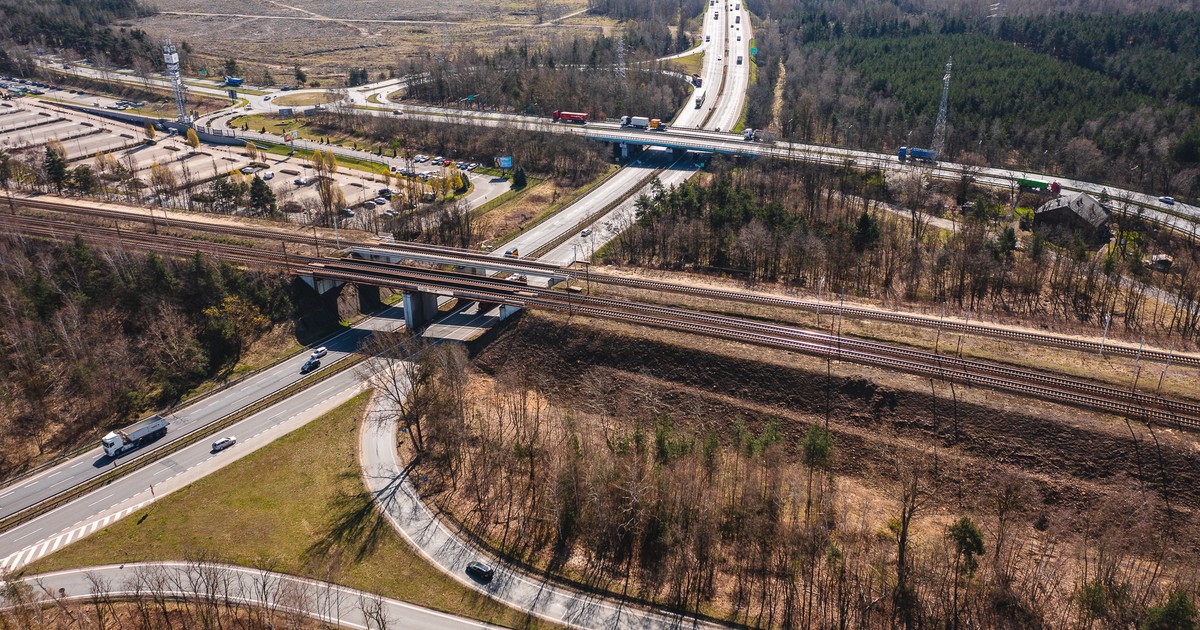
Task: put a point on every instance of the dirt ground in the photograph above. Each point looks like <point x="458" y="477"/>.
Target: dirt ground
<point x="1073" y="458"/>
<point x="328" y="37"/>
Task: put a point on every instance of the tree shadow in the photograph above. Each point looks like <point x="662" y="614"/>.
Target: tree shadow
<point x="355" y="526"/>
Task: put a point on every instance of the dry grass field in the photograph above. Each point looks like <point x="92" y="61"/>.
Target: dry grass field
<point x="327" y="37"/>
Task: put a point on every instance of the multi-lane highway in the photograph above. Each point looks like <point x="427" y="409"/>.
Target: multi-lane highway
<point x="38" y="536"/>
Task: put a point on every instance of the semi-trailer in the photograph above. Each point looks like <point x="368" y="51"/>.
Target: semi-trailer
<point x="134" y="435"/>
<point x="642" y="122"/>
<point x="1037" y="186"/>
<point x="917" y="155"/>
<point x="574" y="117"/>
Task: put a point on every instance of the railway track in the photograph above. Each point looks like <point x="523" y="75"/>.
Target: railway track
<point x="468" y="286"/>
<point x="535" y="267"/>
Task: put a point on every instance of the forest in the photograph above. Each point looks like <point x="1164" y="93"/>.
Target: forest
<point x="539" y="78"/>
<point x="92" y="337"/>
<point x="566" y="449"/>
<point x="82" y="27"/>
<point x="1106" y="98"/>
<point x="870" y="236"/>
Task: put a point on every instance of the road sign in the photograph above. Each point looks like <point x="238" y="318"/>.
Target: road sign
<point x="232" y="95"/>
<point x="504" y="162"/>
<point x="754" y="51"/>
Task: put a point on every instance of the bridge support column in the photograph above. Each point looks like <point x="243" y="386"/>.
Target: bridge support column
<point x="368" y="297"/>
<point x="419" y="309"/>
<point x="321" y="285"/>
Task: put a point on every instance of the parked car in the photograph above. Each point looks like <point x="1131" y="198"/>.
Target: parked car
<point x="310" y="365"/>
<point x="223" y="443"/>
<point x="586" y="232"/>
<point x="480" y="571"/>
<point x="247" y="170"/>
<point x="319" y="352"/>
<point x="347" y="212"/>
<point x="380" y="201"/>
<point x="268" y="175"/>
<point x="301" y="181"/>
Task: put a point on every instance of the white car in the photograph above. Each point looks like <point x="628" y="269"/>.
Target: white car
<point x="319" y="352"/>
<point x="223" y="443"/>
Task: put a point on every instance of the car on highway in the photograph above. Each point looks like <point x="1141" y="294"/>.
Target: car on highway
<point x="480" y="571"/>
<point x="310" y="365"/>
<point x="266" y="98"/>
<point x="319" y="352"/>
<point x="223" y="443"/>
<point x="396" y="112"/>
<point x="1170" y="201"/>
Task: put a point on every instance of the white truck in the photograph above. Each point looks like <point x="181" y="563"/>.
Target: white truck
<point x="637" y="122"/>
<point x="134" y="435"/>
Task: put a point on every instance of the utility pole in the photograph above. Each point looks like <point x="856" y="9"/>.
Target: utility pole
<point x="939" y="127"/>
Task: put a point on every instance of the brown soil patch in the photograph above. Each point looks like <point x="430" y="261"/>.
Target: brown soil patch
<point x="1074" y="458"/>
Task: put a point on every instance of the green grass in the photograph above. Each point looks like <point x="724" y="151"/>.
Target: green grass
<point x="692" y="64"/>
<point x="563" y="202"/>
<point x="305" y="100"/>
<point x="298" y="503"/>
<point x="348" y="162"/>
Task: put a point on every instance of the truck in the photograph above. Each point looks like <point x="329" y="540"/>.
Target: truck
<point x="134" y="435"/>
<point x="697" y="80"/>
<point x="642" y="122"/>
<point x="573" y="117"/>
<point x="637" y="122"/>
<point x="700" y="98"/>
<point x="917" y="155"/>
<point x="758" y="135"/>
<point x="234" y="81"/>
<point x="1036" y="186"/>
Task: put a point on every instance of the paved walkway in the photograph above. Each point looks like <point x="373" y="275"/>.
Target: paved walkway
<point x="221" y="583"/>
<point x="386" y="478"/>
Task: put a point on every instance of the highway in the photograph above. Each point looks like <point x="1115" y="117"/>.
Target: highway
<point x="20" y="545"/>
<point x="50" y="531"/>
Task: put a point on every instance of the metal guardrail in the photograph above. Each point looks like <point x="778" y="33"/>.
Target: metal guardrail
<point x="195" y="435"/>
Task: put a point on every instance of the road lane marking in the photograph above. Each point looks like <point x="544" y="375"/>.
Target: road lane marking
<point x="103" y="498"/>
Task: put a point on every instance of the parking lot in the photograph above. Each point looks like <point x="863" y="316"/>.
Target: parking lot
<point x="27" y="124"/>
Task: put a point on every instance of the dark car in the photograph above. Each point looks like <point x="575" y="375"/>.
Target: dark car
<point x="310" y="365"/>
<point x="480" y="571"/>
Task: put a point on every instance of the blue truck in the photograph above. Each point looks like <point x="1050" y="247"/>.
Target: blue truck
<point x="917" y="155"/>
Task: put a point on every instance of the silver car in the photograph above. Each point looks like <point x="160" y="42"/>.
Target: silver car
<point x="223" y="443"/>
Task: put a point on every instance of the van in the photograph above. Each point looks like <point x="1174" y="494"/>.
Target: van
<point x="511" y="252"/>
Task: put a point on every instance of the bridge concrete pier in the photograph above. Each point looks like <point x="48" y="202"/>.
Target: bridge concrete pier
<point x="322" y="285"/>
<point x="420" y="309"/>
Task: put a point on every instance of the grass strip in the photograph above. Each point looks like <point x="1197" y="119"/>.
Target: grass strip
<point x="297" y="506"/>
<point x="149" y="457"/>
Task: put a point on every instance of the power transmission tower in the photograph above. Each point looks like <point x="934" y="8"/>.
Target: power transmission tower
<point x="171" y="56"/>
<point x="939" y="127"/>
<point x="620" y="56"/>
<point x="996" y="14"/>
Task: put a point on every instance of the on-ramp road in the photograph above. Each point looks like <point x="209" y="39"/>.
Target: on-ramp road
<point x="329" y="603"/>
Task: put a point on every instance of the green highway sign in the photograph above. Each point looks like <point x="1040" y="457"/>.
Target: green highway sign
<point x="754" y="51"/>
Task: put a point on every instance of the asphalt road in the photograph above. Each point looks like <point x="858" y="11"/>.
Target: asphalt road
<point x="323" y="601"/>
<point x="34" y="538"/>
<point x="392" y="489"/>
